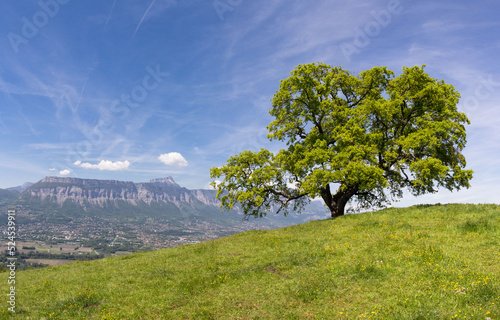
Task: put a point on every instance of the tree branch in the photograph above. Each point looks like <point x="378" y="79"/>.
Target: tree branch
<point x="363" y="96"/>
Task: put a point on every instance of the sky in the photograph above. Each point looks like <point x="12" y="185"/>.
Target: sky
<point x="139" y="89"/>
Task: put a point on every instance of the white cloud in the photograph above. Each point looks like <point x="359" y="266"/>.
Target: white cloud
<point x="211" y="187"/>
<point x="65" y="172"/>
<point x="52" y="169"/>
<point x="104" y="165"/>
<point x="173" y="159"/>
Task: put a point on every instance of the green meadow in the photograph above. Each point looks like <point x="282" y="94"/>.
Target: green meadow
<point x="421" y="262"/>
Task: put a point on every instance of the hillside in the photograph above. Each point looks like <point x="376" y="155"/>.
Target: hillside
<point x="422" y="262"/>
<point x="7" y="196"/>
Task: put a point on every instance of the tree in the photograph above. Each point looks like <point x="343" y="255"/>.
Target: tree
<point x="367" y="137"/>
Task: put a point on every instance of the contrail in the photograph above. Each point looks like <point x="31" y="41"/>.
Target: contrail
<point x="143" y="16"/>
<point x="109" y="15"/>
<point x="80" y="98"/>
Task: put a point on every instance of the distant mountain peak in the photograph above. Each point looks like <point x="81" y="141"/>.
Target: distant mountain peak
<point x="59" y="179"/>
<point x="21" y="188"/>
<point x="168" y="180"/>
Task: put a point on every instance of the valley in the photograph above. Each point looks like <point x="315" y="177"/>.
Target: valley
<point x="109" y="217"/>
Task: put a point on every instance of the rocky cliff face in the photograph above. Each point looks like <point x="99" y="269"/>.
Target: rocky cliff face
<point x="98" y="192"/>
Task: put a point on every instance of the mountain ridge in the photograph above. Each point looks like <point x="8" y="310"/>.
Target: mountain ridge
<point x="21" y="188"/>
<point x="96" y="191"/>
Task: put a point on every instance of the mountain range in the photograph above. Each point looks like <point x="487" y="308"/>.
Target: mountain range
<point x="157" y="212"/>
<point x="87" y="192"/>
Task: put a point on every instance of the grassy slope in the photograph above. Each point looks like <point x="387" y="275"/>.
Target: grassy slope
<point x="438" y="262"/>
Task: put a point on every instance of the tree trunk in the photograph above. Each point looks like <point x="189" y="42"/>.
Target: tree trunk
<point x="337" y="211"/>
<point x="337" y="202"/>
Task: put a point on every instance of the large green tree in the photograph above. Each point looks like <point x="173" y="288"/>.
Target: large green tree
<point x="361" y="138"/>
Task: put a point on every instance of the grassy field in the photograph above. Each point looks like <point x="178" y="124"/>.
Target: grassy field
<point x="423" y="262"/>
<point x="50" y="262"/>
<point x="54" y="249"/>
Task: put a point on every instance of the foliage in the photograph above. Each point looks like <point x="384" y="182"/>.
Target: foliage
<point x="399" y="263"/>
<point x="369" y="136"/>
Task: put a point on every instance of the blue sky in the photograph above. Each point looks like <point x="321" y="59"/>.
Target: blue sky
<point x="134" y="90"/>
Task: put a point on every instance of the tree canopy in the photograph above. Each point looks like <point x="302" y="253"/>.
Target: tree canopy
<point x="361" y="138"/>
